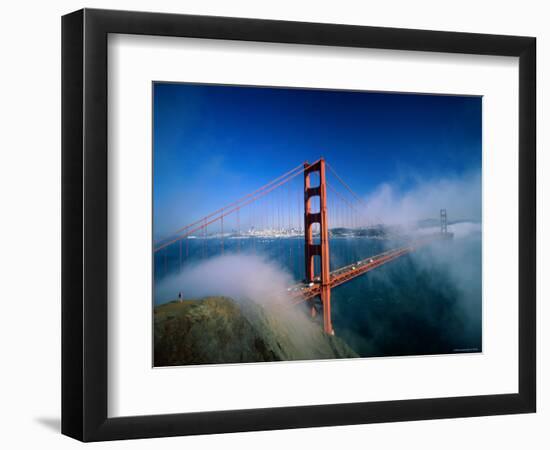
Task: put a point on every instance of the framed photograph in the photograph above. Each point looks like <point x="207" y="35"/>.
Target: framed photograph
<point x="273" y="224"/>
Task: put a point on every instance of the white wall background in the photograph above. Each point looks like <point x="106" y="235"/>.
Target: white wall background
<point x="30" y="222"/>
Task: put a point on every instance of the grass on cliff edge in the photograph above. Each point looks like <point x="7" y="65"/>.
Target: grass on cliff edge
<point x="217" y="330"/>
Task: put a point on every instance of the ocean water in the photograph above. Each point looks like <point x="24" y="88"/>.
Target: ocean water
<point x="426" y="302"/>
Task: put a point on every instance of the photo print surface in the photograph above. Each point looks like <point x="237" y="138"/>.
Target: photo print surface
<point x="306" y="224"/>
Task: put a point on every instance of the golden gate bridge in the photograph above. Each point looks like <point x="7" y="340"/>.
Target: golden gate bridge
<point x="295" y="206"/>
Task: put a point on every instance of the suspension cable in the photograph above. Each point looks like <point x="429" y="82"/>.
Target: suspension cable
<point x="240" y="200"/>
<point x="259" y="194"/>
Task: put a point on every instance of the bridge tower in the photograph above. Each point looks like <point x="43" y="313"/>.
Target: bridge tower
<point x="320" y="249"/>
<point x="443" y="217"/>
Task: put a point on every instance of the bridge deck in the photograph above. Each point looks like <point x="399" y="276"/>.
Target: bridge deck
<point x="306" y="291"/>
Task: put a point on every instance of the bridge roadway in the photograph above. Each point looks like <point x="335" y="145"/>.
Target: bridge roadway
<point x="306" y="291"/>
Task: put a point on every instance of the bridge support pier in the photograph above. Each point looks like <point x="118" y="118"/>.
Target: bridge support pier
<point x="320" y="249"/>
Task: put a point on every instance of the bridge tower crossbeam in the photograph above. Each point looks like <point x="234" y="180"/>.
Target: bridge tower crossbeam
<point x="320" y="249"/>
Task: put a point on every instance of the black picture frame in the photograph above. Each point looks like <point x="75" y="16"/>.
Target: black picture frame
<point x="84" y="224"/>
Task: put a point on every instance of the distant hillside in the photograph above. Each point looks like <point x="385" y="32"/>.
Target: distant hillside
<point x="217" y="330"/>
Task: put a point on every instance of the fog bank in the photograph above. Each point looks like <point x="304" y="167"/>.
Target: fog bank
<point x="460" y="195"/>
<point x="240" y="277"/>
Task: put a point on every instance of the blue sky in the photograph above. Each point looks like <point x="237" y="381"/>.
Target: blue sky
<point x="212" y="144"/>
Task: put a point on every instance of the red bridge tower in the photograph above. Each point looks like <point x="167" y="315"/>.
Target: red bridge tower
<point x="321" y="248"/>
